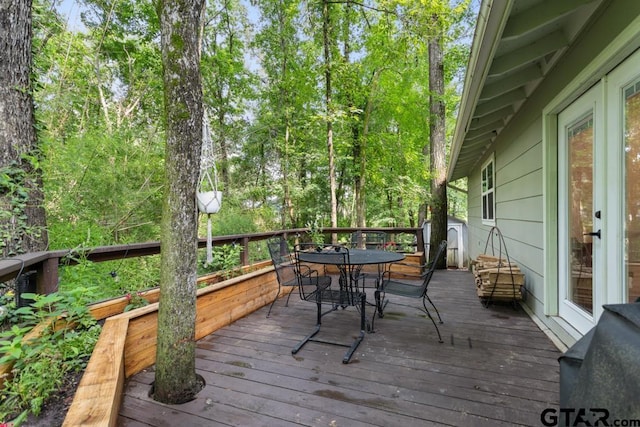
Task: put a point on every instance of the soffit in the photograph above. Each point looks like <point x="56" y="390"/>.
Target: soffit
<point x="516" y="44"/>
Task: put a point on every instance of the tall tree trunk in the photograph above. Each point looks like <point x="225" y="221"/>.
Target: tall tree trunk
<point x="360" y="155"/>
<point x="358" y="134"/>
<point x="222" y="143"/>
<point x="437" y="134"/>
<point x="284" y="107"/>
<point x="23" y="227"/>
<point x="359" y="179"/>
<point x="285" y="161"/>
<point x="176" y="380"/>
<point x="326" y="28"/>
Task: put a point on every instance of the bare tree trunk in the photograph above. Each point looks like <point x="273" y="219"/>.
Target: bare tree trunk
<point x="437" y="133"/>
<point x="326" y="26"/>
<point x="359" y="180"/>
<point x="23" y="227"/>
<point x="360" y="155"/>
<point x="176" y="380"/>
<point x="289" y="213"/>
<point x="222" y="143"/>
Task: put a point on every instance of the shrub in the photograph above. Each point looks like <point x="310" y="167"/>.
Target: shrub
<point x="40" y="364"/>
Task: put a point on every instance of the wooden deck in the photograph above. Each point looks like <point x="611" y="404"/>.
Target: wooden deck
<point x="496" y="367"/>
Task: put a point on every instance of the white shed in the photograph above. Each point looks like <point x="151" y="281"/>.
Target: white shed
<point x="456" y="242"/>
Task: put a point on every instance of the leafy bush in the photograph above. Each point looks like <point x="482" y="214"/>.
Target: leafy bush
<point x="103" y="187"/>
<point x="40" y="363"/>
<point x="111" y="279"/>
<point x="15" y="193"/>
<point x="226" y="259"/>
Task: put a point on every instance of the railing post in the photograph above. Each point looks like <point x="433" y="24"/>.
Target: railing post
<point x="244" y="255"/>
<point x="25" y="283"/>
<point x="47" y="281"/>
<point x="420" y="241"/>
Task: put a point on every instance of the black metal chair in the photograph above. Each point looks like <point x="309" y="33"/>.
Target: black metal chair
<point x="288" y="271"/>
<point x="369" y="240"/>
<point x="348" y="294"/>
<point x="393" y="286"/>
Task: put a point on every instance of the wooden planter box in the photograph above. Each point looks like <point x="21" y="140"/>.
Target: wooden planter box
<point x="114" y="306"/>
<point x="127" y="343"/>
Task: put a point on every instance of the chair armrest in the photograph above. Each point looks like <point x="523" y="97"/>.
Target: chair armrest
<point x="422" y="267"/>
<point x="307" y="271"/>
<point x="386" y="275"/>
<point x="425" y="265"/>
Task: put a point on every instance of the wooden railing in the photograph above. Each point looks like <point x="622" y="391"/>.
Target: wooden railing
<point x="45" y="264"/>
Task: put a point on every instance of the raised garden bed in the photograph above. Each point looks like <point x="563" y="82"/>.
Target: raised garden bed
<point x="127" y="343"/>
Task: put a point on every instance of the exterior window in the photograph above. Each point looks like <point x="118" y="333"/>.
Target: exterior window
<point x="488" y="193"/>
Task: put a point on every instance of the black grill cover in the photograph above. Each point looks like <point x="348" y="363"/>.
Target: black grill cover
<point x="609" y="375"/>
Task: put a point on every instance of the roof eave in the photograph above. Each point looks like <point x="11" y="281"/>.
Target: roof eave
<point x="492" y="18"/>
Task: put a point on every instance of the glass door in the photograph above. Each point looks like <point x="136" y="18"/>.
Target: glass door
<point x="632" y="185"/>
<point x="599" y="197"/>
<point x="623" y="111"/>
<point x="629" y="105"/>
<point x="580" y="178"/>
<point x="580" y="198"/>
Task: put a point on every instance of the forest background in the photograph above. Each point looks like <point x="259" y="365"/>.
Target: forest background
<point x="320" y="114"/>
<point x="99" y="111"/>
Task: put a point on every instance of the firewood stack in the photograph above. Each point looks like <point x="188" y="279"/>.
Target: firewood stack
<point x="497" y="278"/>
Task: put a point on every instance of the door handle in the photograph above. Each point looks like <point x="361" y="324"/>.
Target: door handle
<point x="594" y="233"/>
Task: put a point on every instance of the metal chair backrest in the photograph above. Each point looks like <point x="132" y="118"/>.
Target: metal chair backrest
<point x="346" y="294"/>
<point x="339" y="256"/>
<point x="426" y="276"/>
<point x="282" y="262"/>
<point x="278" y="250"/>
<point x="369" y="239"/>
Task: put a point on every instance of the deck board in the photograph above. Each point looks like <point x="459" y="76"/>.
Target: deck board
<point x="495" y="367"/>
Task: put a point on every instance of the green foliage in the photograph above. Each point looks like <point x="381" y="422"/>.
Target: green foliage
<point x="135" y="301"/>
<point x="100" y="101"/>
<point x="8" y="315"/>
<point x="103" y="189"/>
<point x="315" y="230"/>
<point x="41" y="362"/>
<point x="226" y="259"/>
<point x="14" y="198"/>
<point x="110" y="279"/>
<point x="230" y="220"/>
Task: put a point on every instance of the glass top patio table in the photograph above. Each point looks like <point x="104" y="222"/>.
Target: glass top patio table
<point x="356" y="257"/>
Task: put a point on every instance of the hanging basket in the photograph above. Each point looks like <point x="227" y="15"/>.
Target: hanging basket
<point x="209" y="201"/>
<point x="208" y="197"/>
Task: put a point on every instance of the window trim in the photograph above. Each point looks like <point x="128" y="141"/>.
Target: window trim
<point x="489" y="192"/>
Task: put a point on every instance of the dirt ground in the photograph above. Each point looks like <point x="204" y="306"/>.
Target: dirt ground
<point x="55" y="409"/>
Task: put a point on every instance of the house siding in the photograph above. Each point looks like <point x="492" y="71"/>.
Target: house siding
<point x="519" y="212"/>
<point x="518" y="153"/>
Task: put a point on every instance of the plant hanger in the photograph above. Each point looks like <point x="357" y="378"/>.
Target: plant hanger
<point x="209" y="198"/>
